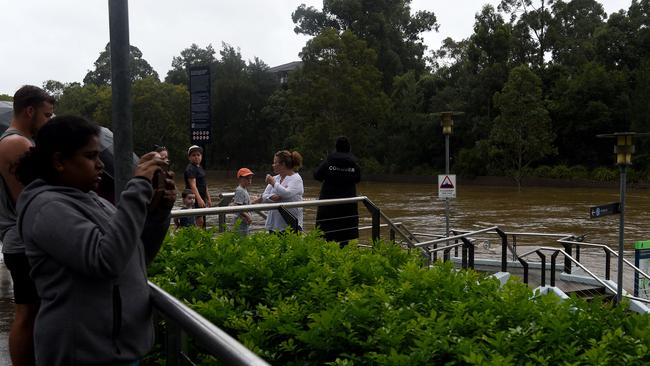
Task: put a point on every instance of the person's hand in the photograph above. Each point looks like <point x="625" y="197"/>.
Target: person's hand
<point x="275" y="198"/>
<point x="270" y="180"/>
<point x="164" y="195"/>
<point x="200" y="202"/>
<point x="148" y="165"/>
<point x="169" y="193"/>
<point x="256" y="200"/>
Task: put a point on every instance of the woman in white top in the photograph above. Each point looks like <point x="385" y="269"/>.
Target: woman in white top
<point x="285" y="186"/>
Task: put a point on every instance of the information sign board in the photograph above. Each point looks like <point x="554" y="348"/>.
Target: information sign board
<point x="603" y="210"/>
<point x="642" y="262"/>
<point x="200" y="105"/>
<point x="446" y="186"/>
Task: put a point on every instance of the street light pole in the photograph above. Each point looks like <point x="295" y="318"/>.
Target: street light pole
<point x="447" y="173"/>
<point x="447" y="124"/>
<point x="623" y="149"/>
<point x="621" y="235"/>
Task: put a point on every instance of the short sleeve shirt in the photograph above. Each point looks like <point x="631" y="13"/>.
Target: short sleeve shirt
<point x="196" y="172"/>
<point x="241" y="197"/>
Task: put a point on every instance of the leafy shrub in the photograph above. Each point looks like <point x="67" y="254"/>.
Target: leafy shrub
<point x="561" y="172"/>
<point x="371" y="166"/>
<point x="472" y="162"/>
<point x="603" y="174"/>
<point x="542" y="171"/>
<point x="298" y="300"/>
<point x="579" y="172"/>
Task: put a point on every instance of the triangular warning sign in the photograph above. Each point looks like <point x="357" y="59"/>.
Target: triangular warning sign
<point x="446" y="183"/>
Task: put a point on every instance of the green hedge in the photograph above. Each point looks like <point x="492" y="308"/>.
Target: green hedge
<point x="298" y="300"/>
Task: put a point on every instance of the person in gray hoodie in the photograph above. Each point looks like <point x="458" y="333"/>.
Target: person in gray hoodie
<point x="89" y="258"/>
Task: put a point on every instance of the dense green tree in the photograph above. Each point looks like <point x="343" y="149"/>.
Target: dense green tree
<point x="388" y="27"/>
<point x="640" y="111"/>
<point x="412" y="126"/>
<point x="583" y="104"/>
<point x="194" y="55"/>
<point x="363" y="75"/>
<point x="532" y="18"/>
<point x="240" y="90"/>
<point x="161" y="117"/>
<point x="574" y="28"/>
<point x="160" y="113"/>
<point x="522" y="132"/>
<point x="337" y="91"/>
<point x="6" y="97"/>
<point x="101" y="75"/>
<point x="85" y="101"/>
<point x="54" y="88"/>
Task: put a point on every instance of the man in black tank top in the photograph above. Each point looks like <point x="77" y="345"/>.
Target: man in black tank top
<point x="33" y="107"/>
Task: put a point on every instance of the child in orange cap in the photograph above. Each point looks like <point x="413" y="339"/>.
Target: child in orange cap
<point x="245" y="178"/>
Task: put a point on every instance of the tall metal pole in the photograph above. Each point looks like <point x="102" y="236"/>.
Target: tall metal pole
<point x="621" y="235"/>
<point x="118" y="14"/>
<point x="447" y="173"/>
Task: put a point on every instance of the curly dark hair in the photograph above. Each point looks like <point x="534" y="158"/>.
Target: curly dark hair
<point x="62" y="134"/>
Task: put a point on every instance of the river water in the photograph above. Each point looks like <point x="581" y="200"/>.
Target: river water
<point x="533" y="209"/>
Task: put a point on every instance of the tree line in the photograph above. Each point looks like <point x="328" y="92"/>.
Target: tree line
<point x="536" y="81"/>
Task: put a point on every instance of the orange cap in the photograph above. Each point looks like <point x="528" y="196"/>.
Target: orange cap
<point x="244" y="172"/>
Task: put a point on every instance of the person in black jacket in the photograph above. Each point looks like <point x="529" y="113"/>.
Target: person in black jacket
<point x="339" y="173"/>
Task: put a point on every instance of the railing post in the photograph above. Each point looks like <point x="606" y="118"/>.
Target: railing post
<point x="568" y="247"/>
<point x="468" y="253"/>
<point x="553" y="256"/>
<point x="446" y="254"/>
<point x="524" y="265"/>
<point x="543" y="258"/>
<point x="464" y="257"/>
<point x="504" y="250"/>
<point x="376" y="218"/>
<point x="607" y="263"/>
<point x="224" y="201"/>
<point x="222" y="223"/>
<point x="173" y="344"/>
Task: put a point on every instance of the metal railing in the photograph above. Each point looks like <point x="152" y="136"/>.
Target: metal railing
<point x="608" y="252"/>
<point x="214" y="340"/>
<point x="375" y="213"/>
<point x="467" y="259"/>
<point x="567" y="240"/>
<point x="556" y="252"/>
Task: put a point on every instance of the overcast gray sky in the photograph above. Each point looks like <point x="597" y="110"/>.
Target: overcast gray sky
<point x="60" y="40"/>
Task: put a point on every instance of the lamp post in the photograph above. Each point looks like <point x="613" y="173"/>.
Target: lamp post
<point x="623" y="149"/>
<point x="447" y="124"/>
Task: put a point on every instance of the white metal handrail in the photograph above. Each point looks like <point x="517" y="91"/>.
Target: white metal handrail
<point x="263" y="206"/>
<point x="217" y="342"/>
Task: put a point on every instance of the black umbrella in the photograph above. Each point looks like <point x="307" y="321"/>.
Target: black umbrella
<point x="106" y="188"/>
<point x="5" y="120"/>
<point x="6" y="112"/>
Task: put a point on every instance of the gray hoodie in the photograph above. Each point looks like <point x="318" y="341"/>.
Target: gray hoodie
<point x="89" y="262"/>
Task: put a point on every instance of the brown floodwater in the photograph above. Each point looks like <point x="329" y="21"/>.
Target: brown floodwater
<point x="533" y="209"/>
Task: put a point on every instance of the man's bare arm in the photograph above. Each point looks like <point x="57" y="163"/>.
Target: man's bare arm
<point x="12" y="148"/>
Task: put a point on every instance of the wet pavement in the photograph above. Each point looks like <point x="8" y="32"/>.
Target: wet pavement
<point x="6" y="313"/>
